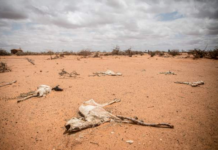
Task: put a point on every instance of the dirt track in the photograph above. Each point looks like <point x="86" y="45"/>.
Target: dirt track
<point x="38" y="123"/>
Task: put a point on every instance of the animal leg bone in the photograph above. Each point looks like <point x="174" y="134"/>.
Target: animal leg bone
<point x="25" y="98"/>
<point x="135" y="121"/>
<point x="111" y="102"/>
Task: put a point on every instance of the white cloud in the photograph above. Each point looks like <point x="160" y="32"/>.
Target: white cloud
<point x="102" y="24"/>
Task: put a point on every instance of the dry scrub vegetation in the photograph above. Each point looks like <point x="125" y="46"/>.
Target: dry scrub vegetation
<point x="196" y="53"/>
<point x="4" y="67"/>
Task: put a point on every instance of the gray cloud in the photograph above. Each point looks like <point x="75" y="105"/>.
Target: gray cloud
<point x="10" y="11"/>
<point x="102" y="24"/>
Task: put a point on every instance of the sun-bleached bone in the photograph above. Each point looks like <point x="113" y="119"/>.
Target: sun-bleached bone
<point x="41" y="91"/>
<point x="94" y="114"/>
<point x="193" y="84"/>
<point x="106" y="73"/>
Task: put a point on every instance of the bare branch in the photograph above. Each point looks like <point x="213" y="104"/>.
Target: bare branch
<point x="31" y="61"/>
<point x="135" y="121"/>
<point x="8" y="83"/>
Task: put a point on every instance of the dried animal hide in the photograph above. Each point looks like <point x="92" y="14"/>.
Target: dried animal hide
<point x="108" y="72"/>
<point x="41" y="91"/>
<point x="94" y="114"/>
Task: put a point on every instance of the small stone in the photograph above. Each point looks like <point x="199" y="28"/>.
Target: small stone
<point x="129" y="141"/>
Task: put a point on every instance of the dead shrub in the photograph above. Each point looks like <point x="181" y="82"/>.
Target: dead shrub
<point x="197" y="53"/>
<point x="152" y="54"/>
<point x="213" y="54"/>
<point x="159" y="53"/>
<point x="116" y="51"/>
<point x="4" y="52"/>
<point x="129" y="52"/>
<point x="4" y="67"/>
<point x="173" y="52"/>
<point x="84" y="53"/>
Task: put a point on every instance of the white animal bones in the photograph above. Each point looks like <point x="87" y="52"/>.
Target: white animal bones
<point x="193" y="84"/>
<point x="41" y="91"/>
<point x="108" y="72"/>
<point x="94" y="114"/>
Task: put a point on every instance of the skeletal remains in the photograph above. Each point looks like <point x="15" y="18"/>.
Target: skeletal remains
<point x="108" y="72"/>
<point x="193" y="84"/>
<point x="64" y="73"/>
<point x="93" y="114"/>
<point x="168" y="73"/>
<point x="41" y="91"/>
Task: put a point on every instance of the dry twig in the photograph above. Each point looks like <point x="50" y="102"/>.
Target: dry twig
<point x="8" y="83"/>
<point x="31" y="61"/>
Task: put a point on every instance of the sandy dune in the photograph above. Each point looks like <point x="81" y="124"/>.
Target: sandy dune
<point x="38" y="123"/>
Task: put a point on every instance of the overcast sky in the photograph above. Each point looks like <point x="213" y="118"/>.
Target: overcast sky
<point x="72" y="25"/>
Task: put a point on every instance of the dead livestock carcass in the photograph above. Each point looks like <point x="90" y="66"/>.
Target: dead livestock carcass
<point x="106" y="73"/>
<point x="41" y="91"/>
<point x="193" y="84"/>
<point x="93" y="114"/>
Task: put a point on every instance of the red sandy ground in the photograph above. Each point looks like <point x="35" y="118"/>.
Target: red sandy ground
<point x="38" y="123"/>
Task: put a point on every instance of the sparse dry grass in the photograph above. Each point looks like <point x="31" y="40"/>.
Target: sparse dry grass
<point x="4" y="67"/>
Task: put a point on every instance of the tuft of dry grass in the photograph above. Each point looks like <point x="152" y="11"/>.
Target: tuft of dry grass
<point x="4" y="67"/>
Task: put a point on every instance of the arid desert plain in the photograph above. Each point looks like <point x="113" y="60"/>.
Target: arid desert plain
<point x="39" y="123"/>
